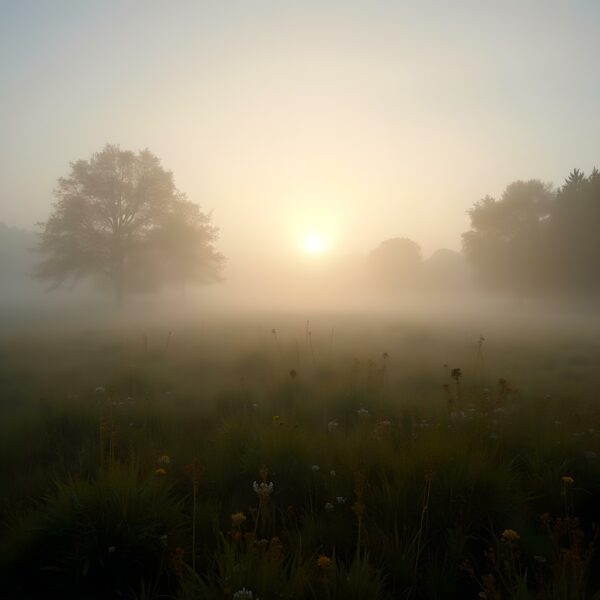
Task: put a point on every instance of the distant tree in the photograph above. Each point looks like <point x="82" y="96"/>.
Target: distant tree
<point x="575" y="234"/>
<point x="395" y="262"/>
<point x="507" y="243"/>
<point x="119" y="218"/>
<point x="445" y="269"/>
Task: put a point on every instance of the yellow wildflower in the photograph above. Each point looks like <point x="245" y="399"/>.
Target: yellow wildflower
<point x="324" y="562"/>
<point x="510" y="535"/>
<point x="238" y="519"/>
<point x="568" y="480"/>
<point x="160" y="472"/>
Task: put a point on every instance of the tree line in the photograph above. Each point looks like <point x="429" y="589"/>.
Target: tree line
<point x="119" y="219"/>
<point x="537" y="239"/>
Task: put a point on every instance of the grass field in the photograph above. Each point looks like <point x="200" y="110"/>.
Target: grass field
<point x="267" y="457"/>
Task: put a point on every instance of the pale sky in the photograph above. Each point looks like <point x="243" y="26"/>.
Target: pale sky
<point x="356" y="120"/>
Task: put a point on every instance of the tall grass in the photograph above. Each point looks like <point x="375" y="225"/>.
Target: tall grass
<point x="140" y="482"/>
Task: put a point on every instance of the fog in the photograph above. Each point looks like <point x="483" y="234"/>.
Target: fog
<point x="299" y="299"/>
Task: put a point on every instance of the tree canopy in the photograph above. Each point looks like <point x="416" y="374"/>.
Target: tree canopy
<point x="119" y="219"/>
<point x="537" y="239"/>
<point x="395" y="262"/>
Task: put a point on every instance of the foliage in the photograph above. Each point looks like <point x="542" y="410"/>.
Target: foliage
<point x="119" y="218"/>
<point x="535" y="239"/>
<point x="395" y="262"/>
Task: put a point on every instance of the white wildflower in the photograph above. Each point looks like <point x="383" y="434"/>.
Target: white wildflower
<point x="244" y="594"/>
<point x="263" y="490"/>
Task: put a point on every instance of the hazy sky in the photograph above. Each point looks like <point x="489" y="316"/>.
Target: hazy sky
<point x="358" y="120"/>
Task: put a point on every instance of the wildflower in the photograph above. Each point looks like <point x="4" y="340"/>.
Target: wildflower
<point x="238" y="519"/>
<point x="315" y="468"/>
<point x="332" y="426"/>
<point x="163" y="460"/>
<point x="362" y="412"/>
<point x="324" y="562"/>
<point x="568" y="480"/>
<point x="112" y="549"/>
<point x="194" y="471"/>
<point x="540" y="559"/>
<point x="244" y="594"/>
<point x="160" y="472"/>
<point x="329" y="507"/>
<point x="100" y="390"/>
<point x="340" y="499"/>
<point x="510" y="535"/>
<point x="332" y="473"/>
<point x="263" y="489"/>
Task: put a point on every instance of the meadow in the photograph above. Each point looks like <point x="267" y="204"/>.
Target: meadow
<point x="313" y="456"/>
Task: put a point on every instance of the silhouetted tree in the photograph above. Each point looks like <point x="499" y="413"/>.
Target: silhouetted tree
<point x="445" y="269"/>
<point x="507" y="243"/>
<point x="395" y="262"/>
<point x="574" y="241"/>
<point x="119" y="217"/>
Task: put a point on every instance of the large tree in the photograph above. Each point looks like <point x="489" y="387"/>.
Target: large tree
<point x="507" y="243"/>
<point x="575" y="234"/>
<point x="119" y="218"/>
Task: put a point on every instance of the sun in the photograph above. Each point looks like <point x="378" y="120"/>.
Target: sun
<point x="314" y="244"/>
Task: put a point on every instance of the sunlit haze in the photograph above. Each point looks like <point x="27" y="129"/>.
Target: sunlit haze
<point x="388" y="118"/>
<point x="299" y="299"/>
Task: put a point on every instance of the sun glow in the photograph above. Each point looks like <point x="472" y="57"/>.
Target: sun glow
<point x="314" y="244"/>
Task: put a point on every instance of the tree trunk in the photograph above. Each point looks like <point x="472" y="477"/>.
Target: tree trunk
<point x="119" y="283"/>
<point x="118" y="270"/>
